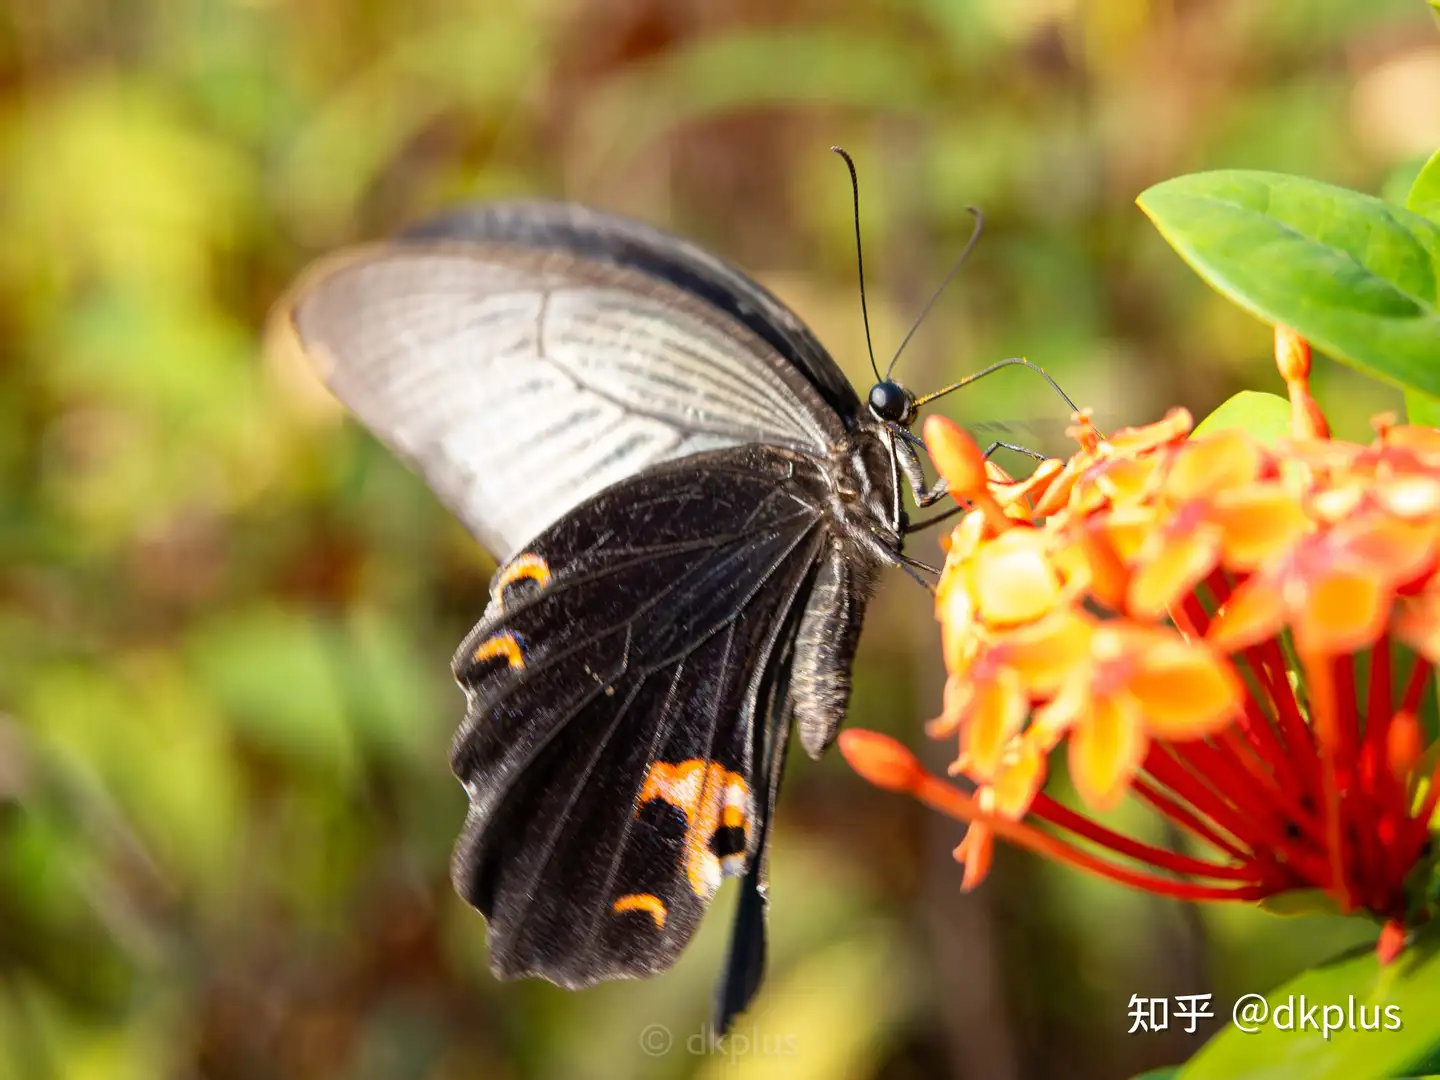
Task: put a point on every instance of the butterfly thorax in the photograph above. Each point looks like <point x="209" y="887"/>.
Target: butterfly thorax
<point x="862" y="503"/>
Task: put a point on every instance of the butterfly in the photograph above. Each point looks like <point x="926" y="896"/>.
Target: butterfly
<point x="689" y="505"/>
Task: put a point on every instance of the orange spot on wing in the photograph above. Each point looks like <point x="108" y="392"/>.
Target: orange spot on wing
<point x="520" y="568"/>
<point x="647" y="902"/>
<point x="711" y="797"/>
<point x="503" y="644"/>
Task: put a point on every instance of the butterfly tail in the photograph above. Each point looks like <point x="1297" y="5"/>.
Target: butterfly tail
<point x="745" y="962"/>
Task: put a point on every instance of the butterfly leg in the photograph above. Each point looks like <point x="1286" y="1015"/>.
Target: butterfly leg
<point x="909" y="463"/>
<point x="1011" y="446"/>
<point x="917" y="526"/>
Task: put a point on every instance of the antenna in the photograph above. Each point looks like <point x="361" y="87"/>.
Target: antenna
<point x="969" y="247"/>
<point x="859" y="257"/>
<point x="991" y="370"/>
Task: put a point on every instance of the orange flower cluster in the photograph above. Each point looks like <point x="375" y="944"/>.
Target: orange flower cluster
<point x="1193" y="618"/>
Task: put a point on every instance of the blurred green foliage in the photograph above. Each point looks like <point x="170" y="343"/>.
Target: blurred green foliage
<point x="226" y="615"/>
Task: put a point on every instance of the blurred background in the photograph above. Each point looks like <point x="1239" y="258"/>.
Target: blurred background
<point x="226" y="615"/>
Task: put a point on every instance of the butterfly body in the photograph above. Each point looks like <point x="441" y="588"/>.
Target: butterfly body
<point x="690" y="505"/>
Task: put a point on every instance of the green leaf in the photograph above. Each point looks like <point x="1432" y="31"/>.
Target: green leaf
<point x="1403" y="999"/>
<point x="1266" y="416"/>
<point x="1424" y="197"/>
<point x="1355" y="276"/>
<point x="1422" y="409"/>
<point x="1301" y="902"/>
<point x="1165" y="1073"/>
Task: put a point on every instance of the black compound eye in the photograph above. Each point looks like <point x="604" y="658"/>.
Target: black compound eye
<point x="890" y="401"/>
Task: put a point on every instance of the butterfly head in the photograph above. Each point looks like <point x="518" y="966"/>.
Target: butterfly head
<point x="892" y="403"/>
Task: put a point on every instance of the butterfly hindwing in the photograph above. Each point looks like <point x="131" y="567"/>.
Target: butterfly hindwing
<point x="627" y="695"/>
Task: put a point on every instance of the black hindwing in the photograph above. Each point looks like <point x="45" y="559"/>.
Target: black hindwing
<point x="628" y="705"/>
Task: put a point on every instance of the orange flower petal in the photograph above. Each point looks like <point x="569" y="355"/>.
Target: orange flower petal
<point x="1019" y="779"/>
<point x="1082" y="429"/>
<point x="1014" y="580"/>
<point x="958" y="627"/>
<point x="1259" y="524"/>
<point x="976" y="852"/>
<point x="955" y="455"/>
<point x="1057" y="494"/>
<point x="1411" y="497"/>
<point x="998" y="707"/>
<point x="1175" y="426"/>
<point x="1222" y="462"/>
<point x="1404" y="744"/>
<point x="956" y="704"/>
<point x="1105" y="750"/>
<point x="1254" y="612"/>
<point x="965" y="539"/>
<point x="1032" y="487"/>
<point x="1086" y="496"/>
<point x="1425" y="440"/>
<point x="1416" y="622"/>
<point x="1125" y="480"/>
<point x="1185" y="690"/>
<point x="1045" y="653"/>
<point x="1127" y="529"/>
<point x="995" y="475"/>
<point x="1068" y="707"/>
<point x="1182" y="561"/>
<point x="1343" y="611"/>
<point x="1397" y="549"/>
<point x="1091" y="564"/>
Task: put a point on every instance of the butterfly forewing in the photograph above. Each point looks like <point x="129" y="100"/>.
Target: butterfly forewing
<point x="520" y="381"/>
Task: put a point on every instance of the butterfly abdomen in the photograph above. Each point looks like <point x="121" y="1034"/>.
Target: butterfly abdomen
<point x="825" y="646"/>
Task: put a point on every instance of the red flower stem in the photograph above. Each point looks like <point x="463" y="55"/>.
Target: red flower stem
<point x="1258" y="833"/>
<point x="1380" y="784"/>
<point x="949" y="800"/>
<point x="1282" y="798"/>
<point x="1260" y="733"/>
<point x="1161" y="763"/>
<point x="1227" y="776"/>
<point x="1266" y="747"/>
<point x="1190" y="617"/>
<point x="1268" y="662"/>
<point x="1380" y="706"/>
<point x="1381" y="790"/>
<point x="1047" y="809"/>
<point x="1355" y="806"/>
<point x="1415" y="688"/>
<point x="1320" y="678"/>
<point x="1183" y="816"/>
<point x="1410" y="834"/>
<point x="1347" y="720"/>
<point x="1221" y="585"/>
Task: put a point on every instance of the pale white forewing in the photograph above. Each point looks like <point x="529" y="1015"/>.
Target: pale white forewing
<point x="519" y="382"/>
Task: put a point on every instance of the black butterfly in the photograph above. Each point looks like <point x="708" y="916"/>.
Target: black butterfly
<point x="691" y="505"/>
